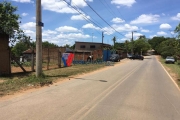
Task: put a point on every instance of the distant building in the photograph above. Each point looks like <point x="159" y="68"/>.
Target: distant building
<point x="89" y="46"/>
<point x="84" y="49"/>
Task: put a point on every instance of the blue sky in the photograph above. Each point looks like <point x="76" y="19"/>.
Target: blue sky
<point x="63" y="23"/>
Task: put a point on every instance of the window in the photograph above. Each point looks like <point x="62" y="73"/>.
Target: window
<point x="82" y="46"/>
<point x="92" y="46"/>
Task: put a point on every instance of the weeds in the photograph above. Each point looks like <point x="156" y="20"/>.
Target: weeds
<point x="174" y="68"/>
<point x="22" y="81"/>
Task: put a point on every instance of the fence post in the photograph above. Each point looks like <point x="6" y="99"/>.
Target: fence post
<point x="59" y="58"/>
<point x="32" y="60"/>
<point x="48" y="59"/>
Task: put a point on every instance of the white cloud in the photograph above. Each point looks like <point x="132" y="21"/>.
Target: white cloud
<point x="144" y="30"/>
<point x="163" y="14"/>
<point x="165" y="26"/>
<point x="151" y="36"/>
<point x="125" y="27"/>
<point x="61" y="6"/>
<point x="67" y="29"/>
<point x="117" y="20"/>
<point x="147" y="19"/>
<point x="30" y="33"/>
<point x="24" y="14"/>
<point x="128" y="3"/>
<point x="29" y="26"/>
<point x="79" y="3"/>
<point x="161" y="33"/>
<point x="24" y="1"/>
<point x="60" y="36"/>
<point x="79" y="17"/>
<point x="57" y="6"/>
<point x="89" y="25"/>
<point x="48" y="33"/>
<point x="34" y="18"/>
<point x="108" y="31"/>
<point x="177" y="17"/>
<point x="135" y="35"/>
<point x="119" y="28"/>
<point x="73" y="36"/>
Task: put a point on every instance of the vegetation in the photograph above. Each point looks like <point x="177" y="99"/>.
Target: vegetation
<point x="23" y="45"/>
<point x="18" y="82"/>
<point x="173" y="70"/>
<point x="9" y="24"/>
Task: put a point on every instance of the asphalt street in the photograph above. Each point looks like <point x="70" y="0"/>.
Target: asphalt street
<point x="131" y="90"/>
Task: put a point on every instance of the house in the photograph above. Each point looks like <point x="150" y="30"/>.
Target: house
<point x="89" y="46"/>
<point x="84" y="49"/>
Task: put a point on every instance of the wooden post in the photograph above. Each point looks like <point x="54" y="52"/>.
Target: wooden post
<point x="48" y="59"/>
<point x="59" y="58"/>
<point x="32" y="60"/>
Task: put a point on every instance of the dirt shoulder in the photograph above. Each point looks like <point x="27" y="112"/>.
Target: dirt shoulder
<point x="58" y="81"/>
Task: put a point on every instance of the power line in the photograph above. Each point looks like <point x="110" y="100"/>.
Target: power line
<point x="86" y="18"/>
<point x="109" y="8"/>
<point x="103" y="19"/>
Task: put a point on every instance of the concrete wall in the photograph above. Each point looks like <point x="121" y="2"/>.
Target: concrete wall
<point x="87" y="46"/>
<point x="5" y="67"/>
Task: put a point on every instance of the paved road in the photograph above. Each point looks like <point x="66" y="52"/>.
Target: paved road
<point x="134" y="90"/>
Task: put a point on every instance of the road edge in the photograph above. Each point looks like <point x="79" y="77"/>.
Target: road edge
<point x="169" y="76"/>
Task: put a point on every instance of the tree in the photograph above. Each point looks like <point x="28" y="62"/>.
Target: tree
<point x="141" y="45"/>
<point x="47" y="44"/>
<point x="155" y="41"/>
<point x="9" y="22"/>
<point x="177" y="30"/>
<point x="19" y="48"/>
<point x="170" y="47"/>
<point x="114" y="40"/>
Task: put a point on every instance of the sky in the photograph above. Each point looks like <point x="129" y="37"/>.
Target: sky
<point x="67" y="21"/>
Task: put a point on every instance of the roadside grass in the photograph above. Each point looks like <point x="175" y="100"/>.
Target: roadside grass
<point x="23" y="81"/>
<point x="173" y="69"/>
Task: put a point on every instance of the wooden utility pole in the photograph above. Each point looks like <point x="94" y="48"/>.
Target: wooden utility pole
<point x="39" y="25"/>
<point x="102" y="39"/>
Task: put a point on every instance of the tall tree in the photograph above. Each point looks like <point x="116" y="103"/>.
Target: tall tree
<point x="169" y="47"/>
<point x="114" y="40"/>
<point x="141" y="45"/>
<point x="155" y="41"/>
<point x="177" y="30"/>
<point x="9" y="22"/>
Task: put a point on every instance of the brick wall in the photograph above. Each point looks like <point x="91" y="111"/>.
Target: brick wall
<point x="4" y="55"/>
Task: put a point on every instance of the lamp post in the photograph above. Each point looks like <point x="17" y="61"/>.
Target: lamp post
<point x="132" y="51"/>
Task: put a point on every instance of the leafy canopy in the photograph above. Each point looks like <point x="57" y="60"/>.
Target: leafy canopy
<point x="9" y="24"/>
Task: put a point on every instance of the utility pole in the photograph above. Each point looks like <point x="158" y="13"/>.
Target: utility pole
<point x="92" y="37"/>
<point x="132" y="51"/>
<point x="39" y="25"/>
<point x="102" y="39"/>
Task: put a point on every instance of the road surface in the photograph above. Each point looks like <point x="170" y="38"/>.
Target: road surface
<point x="133" y="90"/>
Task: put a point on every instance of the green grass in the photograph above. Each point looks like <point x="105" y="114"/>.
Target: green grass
<point x="22" y="81"/>
<point x="172" y="69"/>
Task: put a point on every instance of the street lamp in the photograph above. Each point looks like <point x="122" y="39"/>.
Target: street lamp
<point x="132" y="52"/>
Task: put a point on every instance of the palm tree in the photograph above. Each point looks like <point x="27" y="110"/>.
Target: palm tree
<point x="177" y="30"/>
<point x="114" y="40"/>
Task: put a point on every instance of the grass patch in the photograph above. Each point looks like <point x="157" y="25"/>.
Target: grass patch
<point x="173" y="69"/>
<point x="22" y="81"/>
